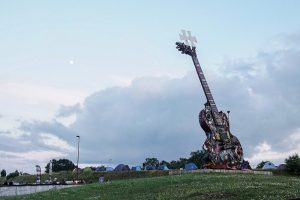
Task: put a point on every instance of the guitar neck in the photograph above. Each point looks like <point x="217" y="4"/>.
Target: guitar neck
<point x="207" y="92"/>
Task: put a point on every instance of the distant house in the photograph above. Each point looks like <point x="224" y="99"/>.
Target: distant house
<point x="269" y="165"/>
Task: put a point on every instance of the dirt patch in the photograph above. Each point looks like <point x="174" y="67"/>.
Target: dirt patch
<point x="212" y="195"/>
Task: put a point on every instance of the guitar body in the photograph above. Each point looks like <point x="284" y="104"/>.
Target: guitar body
<point x="224" y="149"/>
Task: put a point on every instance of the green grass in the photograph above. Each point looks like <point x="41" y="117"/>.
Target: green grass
<point x="187" y="186"/>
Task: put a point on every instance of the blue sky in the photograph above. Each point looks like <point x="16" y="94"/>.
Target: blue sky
<point x="39" y="38"/>
<point x="59" y="55"/>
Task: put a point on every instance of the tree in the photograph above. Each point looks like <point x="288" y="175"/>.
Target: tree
<point x="261" y="164"/>
<point x="93" y="168"/>
<point x="151" y="162"/>
<point x="60" y="165"/>
<point x="163" y="162"/>
<point x="3" y="173"/>
<point x="12" y="175"/>
<point x="174" y="165"/>
<point x="293" y="164"/>
<point x="177" y="164"/>
<point x="199" y="157"/>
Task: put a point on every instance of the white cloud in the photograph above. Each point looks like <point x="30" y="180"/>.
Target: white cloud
<point x="26" y="161"/>
<point x="16" y="134"/>
<point x="41" y="155"/>
<point x="27" y="101"/>
<point x="67" y="121"/>
<point x="263" y="147"/>
<point x="269" y="155"/>
<point x="34" y="93"/>
<point x="264" y="152"/>
<point x="53" y="141"/>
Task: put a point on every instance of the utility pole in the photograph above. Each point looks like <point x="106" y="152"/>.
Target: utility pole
<point x="78" y="155"/>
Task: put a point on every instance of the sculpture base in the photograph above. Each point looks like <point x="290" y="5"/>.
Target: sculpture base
<point x="238" y="166"/>
<point x="221" y="166"/>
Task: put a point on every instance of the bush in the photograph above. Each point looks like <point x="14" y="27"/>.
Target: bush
<point x="293" y="164"/>
<point x="60" y="165"/>
<point x="13" y="175"/>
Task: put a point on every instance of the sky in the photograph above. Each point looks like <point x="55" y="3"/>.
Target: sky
<point x="109" y="72"/>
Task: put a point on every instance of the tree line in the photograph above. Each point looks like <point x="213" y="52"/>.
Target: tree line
<point x="199" y="157"/>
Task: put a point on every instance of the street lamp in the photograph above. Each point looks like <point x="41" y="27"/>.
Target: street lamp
<point x="78" y="154"/>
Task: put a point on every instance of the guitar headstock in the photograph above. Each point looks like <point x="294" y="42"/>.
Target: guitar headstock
<point x="185" y="49"/>
<point x="188" y="46"/>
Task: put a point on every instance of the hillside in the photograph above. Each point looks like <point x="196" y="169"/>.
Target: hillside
<point x="187" y="186"/>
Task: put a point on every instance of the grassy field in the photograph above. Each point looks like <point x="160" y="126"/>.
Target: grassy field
<point x="187" y="186"/>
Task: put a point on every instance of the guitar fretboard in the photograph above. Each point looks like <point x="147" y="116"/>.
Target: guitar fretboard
<point x="204" y="84"/>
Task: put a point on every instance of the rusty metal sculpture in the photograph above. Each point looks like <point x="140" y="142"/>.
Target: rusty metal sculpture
<point x="223" y="148"/>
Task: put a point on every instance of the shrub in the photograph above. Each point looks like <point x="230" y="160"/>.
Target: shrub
<point x="13" y="175"/>
<point x="293" y="164"/>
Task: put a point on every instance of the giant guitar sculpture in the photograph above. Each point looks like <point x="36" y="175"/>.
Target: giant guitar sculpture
<point x="223" y="148"/>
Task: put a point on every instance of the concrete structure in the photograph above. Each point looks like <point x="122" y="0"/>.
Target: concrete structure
<point x="21" y="190"/>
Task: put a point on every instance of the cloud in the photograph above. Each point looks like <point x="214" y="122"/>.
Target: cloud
<point x="264" y="151"/>
<point x="33" y="143"/>
<point x="41" y="156"/>
<point x="53" y="141"/>
<point x="66" y="115"/>
<point x="36" y="93"/>
<point x="65" y="111"/>
<point x="26" y="161"/>
<point x="67" y="121"/>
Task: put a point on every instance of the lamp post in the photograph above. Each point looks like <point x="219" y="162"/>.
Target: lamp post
<point x="78" y="154"/>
